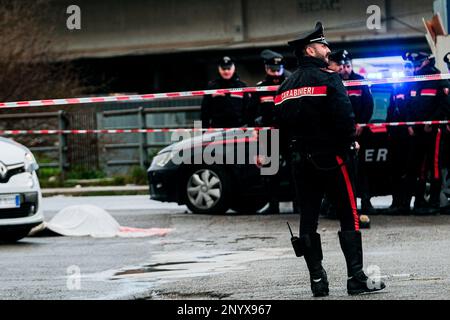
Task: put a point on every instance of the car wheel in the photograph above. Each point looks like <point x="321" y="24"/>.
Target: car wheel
<point x="13" y="235"/>
<point x="207" y="191"/>
<point x="248" y="206"/>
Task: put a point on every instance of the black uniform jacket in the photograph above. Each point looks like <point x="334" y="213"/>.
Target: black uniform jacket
<point x="362" y="100"/>
<point x="224" y="110"/>
<point x="398" y="108"/>
<point x="261" y="111"/>
<point x="313" y="111"/>
<point x="430" y="100"/>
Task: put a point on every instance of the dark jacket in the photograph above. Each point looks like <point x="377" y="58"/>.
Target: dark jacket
<point x="261" y="110"/>
<point x="362" y="100"/>
<point x="313" y="111"/>
<point x="224" y="110"/>
<point x="429" y="99"/>
<point x="398" y="108"/>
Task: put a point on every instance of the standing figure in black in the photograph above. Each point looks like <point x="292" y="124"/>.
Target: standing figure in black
<point x="225" y="110"/>
<point x="317" y="129"/>
<point x="446" y="141"/>
<point x="400" y="143"/>
<point x="340" y="62"/>
<point x="262" y="106"/>
<point x="430" y="100"/>
<point x="362" y="103"/>
<point x="261" y="110"/>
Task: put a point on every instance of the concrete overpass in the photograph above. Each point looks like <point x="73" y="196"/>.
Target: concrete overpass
<point x="140" y="27"/>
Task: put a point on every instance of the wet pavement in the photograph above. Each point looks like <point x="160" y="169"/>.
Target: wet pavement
<point x="219" y="257"/>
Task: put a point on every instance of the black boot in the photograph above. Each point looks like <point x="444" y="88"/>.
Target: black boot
<point x="405" y="204"/>
<point x="367" y="207"/>
<point x="273" y="208"/>
<point x="396" y="205"/>
<point x="357" y="282"/>
<point x="421" y="207"/>
<point x="313" y="256"/>
<point x="435" y="195"/>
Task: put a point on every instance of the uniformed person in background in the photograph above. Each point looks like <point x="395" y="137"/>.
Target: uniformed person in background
<point x="429" y="101"/>
<point x="399" y="143"/>
<point x="362" y="103"/>
<point x="337" y="60"/>
<point x="262" y="107"/>
<point x="446" y="149"/>
<point x="317" y="129"/>
<point x="225" y="110"/>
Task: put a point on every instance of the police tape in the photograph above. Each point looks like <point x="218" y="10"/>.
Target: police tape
<point x="199" y="93"/>
<point x="116" y="131"/>
<point x="205" y="130"/>
<point x="402" y="124"/>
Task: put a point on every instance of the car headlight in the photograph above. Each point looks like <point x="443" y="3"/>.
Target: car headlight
<point x="162" y="159"/>
<point x="30" y="163"/>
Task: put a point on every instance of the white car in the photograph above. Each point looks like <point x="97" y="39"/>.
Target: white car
<point x="20" y="192"/>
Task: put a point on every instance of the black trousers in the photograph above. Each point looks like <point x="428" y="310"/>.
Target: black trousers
<point x="361" y="170"/>
<point x="400" y="147"/>
<point x="331" y="175"/>
<point x="446" y="149"/>
<point x="425" y="161"/>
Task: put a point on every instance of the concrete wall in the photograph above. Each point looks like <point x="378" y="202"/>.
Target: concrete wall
<point x="111" y="28"/>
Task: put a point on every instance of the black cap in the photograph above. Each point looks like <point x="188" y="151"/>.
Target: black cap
<point x="340" y="57"/>
<point x="315" y="36"/>
<point x="272" y="59"/>
<point x="225" y="62"/>
<point x="416" y="58"/>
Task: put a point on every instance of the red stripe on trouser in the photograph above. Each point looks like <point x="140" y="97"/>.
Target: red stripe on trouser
<point x="436" y="155"/>
<point x="350" y="193"/>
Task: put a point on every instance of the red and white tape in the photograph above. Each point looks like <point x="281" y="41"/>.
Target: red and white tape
<point x="116" y="131"/>
<point x="199" y="93"/>
<point x="401" y="124"/>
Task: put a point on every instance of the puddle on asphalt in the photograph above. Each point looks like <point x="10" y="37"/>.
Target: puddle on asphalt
<point x="172" y="265"/>
<point x="251" y="238"/>
<point x="154" y="268"/>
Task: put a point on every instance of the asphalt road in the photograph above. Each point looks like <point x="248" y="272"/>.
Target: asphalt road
<point x="219" y="257"/>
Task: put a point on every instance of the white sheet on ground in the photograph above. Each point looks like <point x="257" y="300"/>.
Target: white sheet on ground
<point x="89" y="220"/>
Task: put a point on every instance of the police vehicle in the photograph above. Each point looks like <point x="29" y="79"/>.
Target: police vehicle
<point x="215" y="188"/>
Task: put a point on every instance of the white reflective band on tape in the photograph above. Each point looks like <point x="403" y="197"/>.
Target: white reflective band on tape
<point x="197" y="93"/>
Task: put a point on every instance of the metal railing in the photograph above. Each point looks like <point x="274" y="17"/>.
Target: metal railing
<point x="142" y="144"/>
<point x="60" y="148"/>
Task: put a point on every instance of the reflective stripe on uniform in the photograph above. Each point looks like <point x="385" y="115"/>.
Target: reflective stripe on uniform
<point x="350" y="192"/>
<point x="355" y="93"/>
<point x="267" y="99"/>
<point x="436" y="155"/>
<point x="320" y="91"/>
<point x="237" y="95"/>
<point x="428" y="92"/>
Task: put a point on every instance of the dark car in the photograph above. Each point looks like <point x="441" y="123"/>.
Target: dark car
<point x="215" y="188"/>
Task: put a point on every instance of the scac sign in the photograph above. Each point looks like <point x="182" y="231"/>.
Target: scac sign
<point x="375" y="155"/>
